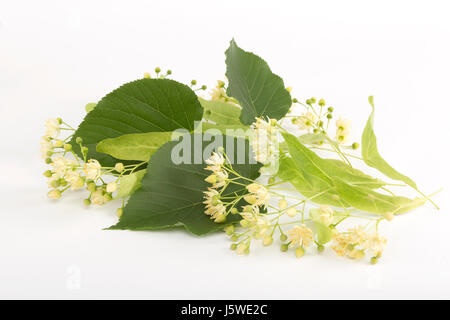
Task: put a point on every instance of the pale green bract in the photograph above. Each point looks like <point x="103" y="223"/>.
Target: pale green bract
<point x="223" y="113"/>
<point x="371" y="156"/>
<point x="130" y="183"/>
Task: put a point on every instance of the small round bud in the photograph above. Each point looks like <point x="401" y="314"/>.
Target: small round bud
<point x="63" y="182"/>
<point x="389" y="216"/>
<point x="234" y="238"/>
<point x="87" y="202"/>
<point x="211" y="179"/>
<point x="157" y="69"/>
<point x="233" y="246"/>
<point x="169" y="72"/>
<point x="241" y="248"/>
<point x="330" y="109"/>
<point x="320" y="123"/>
<point x="234" y="211"/>
<point x="373" y="260"/>
<point x="320" y="248"/>
<point x="329" y="116"/>
<point x="67" y="147"/>
<point x="58" y="143"/>
<point x="111" y="187"/>
<point x="282" y="204"/>
<point x="119" y="167"/>
<point x="91" y="186"/>
<point x="119" y="212"/>
<point x="315" y="130"/>
<point x="147" y="75"/>
<point x="54" y="194"/>
<point x="84" y="149"/>
<point x="289" y="89"/>
<point x="271" y="180"/>
<point x="291" y="212"/>
<point x="49" y="153"/>
<point x="299" y="252"/>
<point x="313" y="100"/>
<point x="308" y="101"/>
<point x="284" y="247"/>
<point x="48" y="173"/>
<point x="267" y="240"/>
<point x="55" y="183"/>
<point x="283" y="237"/>
<point x="203" y="87"/>
<point x="107" y="197"/>
<point x="48" y="160"/>
<point x="220" y="218"/>
<point x="295" y="100"/>
<point x="193" y="82"/>
<point x="229" y="229"/>
<point x="79" y="140"/>
<point x="355" y="145"/>
<point x="321" y="102"/>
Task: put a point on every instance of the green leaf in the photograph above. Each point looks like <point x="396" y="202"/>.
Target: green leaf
<point x="172" y="194"/>
<point x="311" y="187"/>
<point x="145" y="105"/>
<point x="325" y="169"/>
<point x="368" y="200"/>
<point x="130" y="183"/>
<point x="90" y="106"/>
<point x="324" y="233"/>
<point x="260" y="92"/>
<point x="371" y="156"/>
<point x="135" y="146"/>
<point x="221" y="113"/>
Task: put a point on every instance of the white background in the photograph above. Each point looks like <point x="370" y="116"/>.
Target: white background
<point x="55" y="56"/>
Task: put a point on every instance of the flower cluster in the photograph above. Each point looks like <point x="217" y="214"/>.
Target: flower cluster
<point x="218" y="93"/>
<point x="70" y="171"/>
<point x="264" y="142"/>
<point x="356" y="242"/>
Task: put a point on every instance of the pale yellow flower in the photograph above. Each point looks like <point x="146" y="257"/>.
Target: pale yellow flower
<point x="52" y="128"/>
<point x="111" y="187"/>
<point x="98" y="197"/>
<point x="326" y="214"/>
<point x="300" y="236"/>
<point x="375" y="243"/>
<point x="306" y="121"/>
<point x="92" y="169"/>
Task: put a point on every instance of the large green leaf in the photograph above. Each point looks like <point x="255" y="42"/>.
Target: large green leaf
<point x="368" y="200"/>
<point x="221" y="113"/>
<point x="326" y="169"/>
<point x="260" y="92"/>
<point x="172" y="194"/>
<point x="371" y="156"/>
<point x="135" y="146"/>
<point x="146" y="105"/>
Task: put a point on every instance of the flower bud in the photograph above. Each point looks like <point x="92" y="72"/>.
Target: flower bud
<point x="91" y="186"/>
<point x="284" y="247"/>
<point x="220" y="218"/>
<point x="373" y="260"/>
<point x="313" y="100"/>
<point x="147" y="75"/>
<point x="282" y="204"/>
<point x="107" y="197"/>
<point x="157" y="69"/>
<point x="58" y="144"/>
<point x="389" y="216"/>
<point x="283" y="237"/>
<point x="299" y="252"/>
<point x="67" y="147"/>
<point x="321" y="102"/>
<point x="48" y="173"/>
<point x="211" y="179"/>
<point x="234" y="211"/>
<point x="111" y="187"/>
<point x="267" y="240"/>
<point x="119" y="167"/>
<point x="271" y="180"/>
<point x="244" y="223"/>
<point x="87" y="202"/>
<point x="48" y="160"/>
<point x="329" y="116"/>
<point x="330" y="109"/>
<point x="250" y="199"/>
<point x="320" y="248"/>
<point x="79" y="140"/>
<point x="229" y="229"/>
<point x="233" y="246"/>
<point x="241" y="248"/>
<point x="234" y="238"/>
<point x="291" y="212"/>
<point x="169" y="72"/>
<point x="355" y="145"/>
<point x="193" y="82"/>
<point x="203" y="87"/>
<point x="54" y="194"/>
